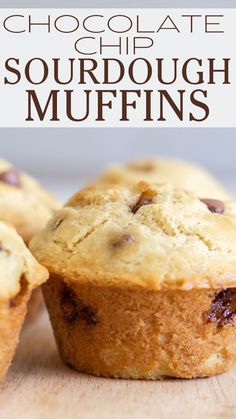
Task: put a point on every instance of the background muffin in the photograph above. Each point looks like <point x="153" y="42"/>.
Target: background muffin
<point x="142" y="281"/>
<point x="20" y="273"/>
<point x="23" y="202"/>
<point x="180" y="173"/>
<point x="28" y="207"/>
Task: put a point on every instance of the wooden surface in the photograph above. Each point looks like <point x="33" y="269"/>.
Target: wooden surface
<point x="40" y="386"/>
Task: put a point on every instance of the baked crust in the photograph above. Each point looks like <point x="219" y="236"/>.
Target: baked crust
<point x="12" y="315"/>
<point x="27" y="206"/>
<point x="173" y="240"/>
<point x="20" y="273"/>
<point x="17" y="261"/>
<point x="138" y="333"/>
<point x="182" y="174"/>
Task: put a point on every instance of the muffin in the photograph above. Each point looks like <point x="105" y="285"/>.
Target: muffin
<point x="181" y="174"/>
<point x="20" y="274"/>
<point x="23" y="202"/>
<point x="142" y="281"/>
<point x="25" y="205"/>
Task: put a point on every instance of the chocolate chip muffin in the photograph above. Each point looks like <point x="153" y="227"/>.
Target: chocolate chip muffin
<point x="142" y="281"/>
<point x="181" y="174"/>
<point x="23" y="202"/>
<point x="28" y="207"/>
<point x="20" y="274"/>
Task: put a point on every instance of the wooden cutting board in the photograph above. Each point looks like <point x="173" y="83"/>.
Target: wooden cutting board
<point x="40" y="386"/>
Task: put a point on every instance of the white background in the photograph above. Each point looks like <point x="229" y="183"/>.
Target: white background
<point x="168" y="44"/>
<point x="64" y="158"/>
<point x="117" y="3"/>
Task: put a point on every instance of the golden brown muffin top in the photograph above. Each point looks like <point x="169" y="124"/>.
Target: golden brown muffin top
<point x="23" y="202"/>
<point x="180" y="173"/>
<point x="150" y="235"/>
<point x="16" y="262"/>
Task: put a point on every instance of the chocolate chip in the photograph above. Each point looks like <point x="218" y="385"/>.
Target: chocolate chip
<point x="87" y="315"/>
<point x="214" y="205"/>
<point x="73" y="309"/>
<point x="11" y="176"/>
<point x="12" y="303"/>
<point x="223" y="308"/>
<point x="146" y="198"/>
<point x="123" y="240"/>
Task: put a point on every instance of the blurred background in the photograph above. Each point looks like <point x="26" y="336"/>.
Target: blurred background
<point x="64" y="159"/>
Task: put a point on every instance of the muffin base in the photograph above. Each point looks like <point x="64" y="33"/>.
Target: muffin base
<point x="12" y="315"/>
<point x="138" y="333"/>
